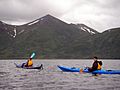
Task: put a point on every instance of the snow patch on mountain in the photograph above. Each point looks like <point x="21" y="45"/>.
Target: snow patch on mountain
<point x="92" y="32"/>
<point x="82" y="28"/>
<point x="21" y="31"/>
<point x="87" y="30"/>
<point x="42" y="19"/>
<point x="33" y="22"/>
<point x="15" y="33"/>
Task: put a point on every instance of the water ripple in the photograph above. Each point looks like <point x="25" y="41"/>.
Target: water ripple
<point x="51" y="78"/>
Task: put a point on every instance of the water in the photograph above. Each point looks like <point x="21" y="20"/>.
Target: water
<point x="51" y="78"/>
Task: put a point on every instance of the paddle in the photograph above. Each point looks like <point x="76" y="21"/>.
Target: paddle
<point x="81" y="71"/>
<point x="32" y="55"/>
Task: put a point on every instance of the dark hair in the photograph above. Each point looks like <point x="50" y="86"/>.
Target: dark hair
<point x="95" y="57"/>
<point x="100" y="62"/>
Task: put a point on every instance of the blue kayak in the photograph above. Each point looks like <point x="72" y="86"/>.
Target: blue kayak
<point x="33" y="67"/>
<point x="74" y="69"/>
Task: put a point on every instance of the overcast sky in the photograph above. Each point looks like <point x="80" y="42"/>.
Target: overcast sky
<point x="98" y="14"/>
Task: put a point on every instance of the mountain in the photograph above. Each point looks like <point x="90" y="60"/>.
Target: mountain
<point x="107" y="44"/>
<point x="50" y="37"/>
<point x="6" y="34"/>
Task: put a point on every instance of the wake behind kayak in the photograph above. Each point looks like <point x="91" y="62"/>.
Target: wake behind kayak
<point x="32" y="67"/>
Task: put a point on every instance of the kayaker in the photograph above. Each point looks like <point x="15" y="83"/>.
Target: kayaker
<point x="97" y="65"/>
<point x="29" y="63"/>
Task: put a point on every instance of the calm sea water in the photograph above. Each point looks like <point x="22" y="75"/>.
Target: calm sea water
<point x="51" y="78"/>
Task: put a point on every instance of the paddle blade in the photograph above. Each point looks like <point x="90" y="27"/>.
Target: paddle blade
<point x="81" y="70"/>
<point x="33" y="55"/>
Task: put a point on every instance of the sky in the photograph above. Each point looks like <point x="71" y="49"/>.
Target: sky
<point x="97" y="14"/>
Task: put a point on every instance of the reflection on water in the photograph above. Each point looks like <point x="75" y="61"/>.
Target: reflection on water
<point x="51" y="78"/>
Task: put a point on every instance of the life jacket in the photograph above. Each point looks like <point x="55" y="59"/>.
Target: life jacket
<point x="30" y="63"/>
<point x="99" y="65"/>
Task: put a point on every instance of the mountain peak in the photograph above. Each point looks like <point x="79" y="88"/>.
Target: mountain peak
<point x="49" y="17"/>
<point x="45" y="19"/>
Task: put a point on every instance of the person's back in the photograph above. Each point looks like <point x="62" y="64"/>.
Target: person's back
<point x="95" y="65"/>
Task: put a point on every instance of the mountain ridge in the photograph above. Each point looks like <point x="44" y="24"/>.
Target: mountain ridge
<point x="51" y="38"/>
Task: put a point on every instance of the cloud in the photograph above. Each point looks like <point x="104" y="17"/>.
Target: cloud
<point x="98" y="14"/>
<point x="32" y="8"/>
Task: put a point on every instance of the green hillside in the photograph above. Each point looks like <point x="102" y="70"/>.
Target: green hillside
<point x="52" y="38"/>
